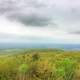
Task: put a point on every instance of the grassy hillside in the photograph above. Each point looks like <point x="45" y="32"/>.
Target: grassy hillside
<point x="40" y="64"/>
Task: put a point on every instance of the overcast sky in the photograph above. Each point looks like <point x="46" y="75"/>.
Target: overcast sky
<point x="56" y="21"/>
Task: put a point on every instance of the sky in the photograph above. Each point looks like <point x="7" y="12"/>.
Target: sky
<point x="51" y="21"/>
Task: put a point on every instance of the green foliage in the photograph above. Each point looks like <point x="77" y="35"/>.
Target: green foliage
<point x="23" y="68"/>
<point x="40" y="64"/>
<point x="66" y="69"/>
<point x="35" y="56"/>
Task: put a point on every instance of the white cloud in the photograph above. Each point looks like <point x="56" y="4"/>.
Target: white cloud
<point x="43" y="19"/>
<point x="12" y="31"/>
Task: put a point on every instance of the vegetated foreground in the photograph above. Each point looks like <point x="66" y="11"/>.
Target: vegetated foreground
<point x="40" y="64"/>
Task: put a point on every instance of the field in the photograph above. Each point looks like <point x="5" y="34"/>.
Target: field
<point x="39" y="64"/>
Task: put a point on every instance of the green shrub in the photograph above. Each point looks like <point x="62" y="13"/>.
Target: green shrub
<point x="35" y="56"/>
<point x="65" y="69"/>
<point x="23" y="68"/>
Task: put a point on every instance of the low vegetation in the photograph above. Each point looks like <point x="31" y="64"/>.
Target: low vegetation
<point x="40" y="64"/>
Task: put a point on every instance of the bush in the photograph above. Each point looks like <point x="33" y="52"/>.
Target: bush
<point x="65" y="69"/>
<point x="23" y="68"/>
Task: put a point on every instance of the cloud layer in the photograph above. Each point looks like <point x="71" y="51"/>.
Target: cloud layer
<point x="54" y="19"/>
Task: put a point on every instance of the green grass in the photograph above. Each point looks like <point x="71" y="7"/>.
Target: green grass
<point x="40" y="64"/>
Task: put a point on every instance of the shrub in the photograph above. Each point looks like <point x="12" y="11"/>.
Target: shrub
<point x="23" y="68"/>
<point x="65" y="69"/>
<point x="35" y="56"/>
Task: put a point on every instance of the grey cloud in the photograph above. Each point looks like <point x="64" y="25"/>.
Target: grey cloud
<point x="29" y="12"/>
<point x="75" y="32"/>
<point x="63" y="14"/>
<point x="34" y="20"/>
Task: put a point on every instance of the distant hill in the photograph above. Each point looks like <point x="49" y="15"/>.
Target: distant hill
<point x="39" y="45"/>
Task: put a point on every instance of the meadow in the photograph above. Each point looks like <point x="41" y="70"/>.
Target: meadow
<point x="40" y="64"/>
